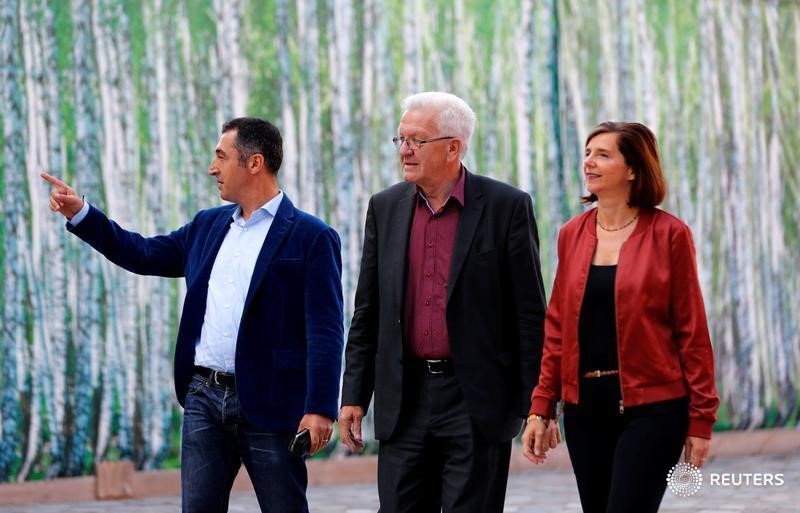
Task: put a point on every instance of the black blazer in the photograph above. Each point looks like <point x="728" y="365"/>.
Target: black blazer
<point x="495" y="307"/>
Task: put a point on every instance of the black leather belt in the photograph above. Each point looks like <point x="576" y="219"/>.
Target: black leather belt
<point x="215" y="376"/>
<point x="444" y="366"/>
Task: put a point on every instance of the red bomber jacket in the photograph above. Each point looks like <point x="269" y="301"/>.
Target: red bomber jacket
<point x="662" y="335"/>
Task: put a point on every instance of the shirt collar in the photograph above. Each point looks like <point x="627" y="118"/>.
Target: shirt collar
<point x="458" y="190"/>
<point x="457" y="193"/>
<point x="269" y="208"/>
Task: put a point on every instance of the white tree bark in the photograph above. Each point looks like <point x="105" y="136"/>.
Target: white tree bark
<point x="339" y="53"/>
<point x="289" y="169"/>
<point x="55" y="300"/>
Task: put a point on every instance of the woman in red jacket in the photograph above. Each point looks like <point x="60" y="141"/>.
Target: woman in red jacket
<point x="626" y="340"/>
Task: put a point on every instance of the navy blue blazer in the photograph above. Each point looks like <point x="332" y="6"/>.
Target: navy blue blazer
<point x="290" y="344"/>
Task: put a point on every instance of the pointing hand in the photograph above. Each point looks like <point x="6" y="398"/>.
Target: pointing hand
<point x="63" y="198"/>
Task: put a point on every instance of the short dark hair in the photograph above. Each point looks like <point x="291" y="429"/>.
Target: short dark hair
<point x="639" y="147"/>
<point x="255" y="135"/>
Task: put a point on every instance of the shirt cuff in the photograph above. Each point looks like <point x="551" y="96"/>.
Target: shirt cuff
<point x="77" y="218"/>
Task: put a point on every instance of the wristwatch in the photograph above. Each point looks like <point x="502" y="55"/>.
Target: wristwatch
<point x="533" y="417"/>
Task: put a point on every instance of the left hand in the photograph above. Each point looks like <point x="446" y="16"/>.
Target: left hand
<point x="319" y="427"/>
<point x="696" y="450"/>
<point x="538" y="438"/>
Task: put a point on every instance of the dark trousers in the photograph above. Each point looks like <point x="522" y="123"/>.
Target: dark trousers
<point x="436" y="460"/>
<point x="217" y="439"/>
<point x="621" y="461"/>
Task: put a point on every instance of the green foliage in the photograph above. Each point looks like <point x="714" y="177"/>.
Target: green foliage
<point x="260" y="25"/>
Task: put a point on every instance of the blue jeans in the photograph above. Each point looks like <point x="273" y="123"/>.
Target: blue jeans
<point x="217" y="439"/>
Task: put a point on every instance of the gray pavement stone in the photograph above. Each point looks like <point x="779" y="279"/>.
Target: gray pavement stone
<point x="534" y="491"/>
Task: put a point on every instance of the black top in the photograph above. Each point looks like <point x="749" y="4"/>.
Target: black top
<point x="597" y="339"/>
<point x="597" y="330"/>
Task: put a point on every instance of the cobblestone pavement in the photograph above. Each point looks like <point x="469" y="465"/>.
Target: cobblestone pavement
<point x="530" y="492"/>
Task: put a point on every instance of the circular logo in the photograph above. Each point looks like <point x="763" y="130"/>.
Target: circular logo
<point x="684" y="479"/>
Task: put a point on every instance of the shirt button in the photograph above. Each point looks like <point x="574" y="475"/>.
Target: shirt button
<point x="236" y="254"/>
<point x="227" y="306"/>
<point x="230" y="280"/>
<point x="427" y="302"/>
<point x="430" y="244"/>
<point x="227" y="334"/>
<point x="426" y="332"/>
<point x="428" y="275"/>
<point x="244" y="229"/>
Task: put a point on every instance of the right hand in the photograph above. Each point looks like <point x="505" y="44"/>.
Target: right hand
<point x="63" y="198"/>
<point x="350" y="427"/>
<point x="538" y="438"/>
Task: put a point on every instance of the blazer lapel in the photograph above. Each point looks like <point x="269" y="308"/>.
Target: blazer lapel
<point x="397" y="243"/>
<point x="197" y="289"/>
<point x="218" y="232"/>
<point x="283" y="221"/>
<point x="467" y="224"/>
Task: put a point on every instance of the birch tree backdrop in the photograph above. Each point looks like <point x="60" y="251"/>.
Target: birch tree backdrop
<point x="124" y="99"/>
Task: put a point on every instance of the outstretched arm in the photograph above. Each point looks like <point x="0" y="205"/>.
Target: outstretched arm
<point x="162" y="255"/>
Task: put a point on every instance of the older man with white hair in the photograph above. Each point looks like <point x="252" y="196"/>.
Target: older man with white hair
<point x="448" y="325"/>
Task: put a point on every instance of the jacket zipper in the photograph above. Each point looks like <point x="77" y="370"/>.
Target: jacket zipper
<point x="616" y="324"/>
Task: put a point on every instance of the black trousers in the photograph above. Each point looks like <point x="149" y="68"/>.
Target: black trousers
<point x="436" y="460"/>
<point x="621" y="461"/>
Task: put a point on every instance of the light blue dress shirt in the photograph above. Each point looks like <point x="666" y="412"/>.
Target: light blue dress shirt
<point x="228" y="284"/>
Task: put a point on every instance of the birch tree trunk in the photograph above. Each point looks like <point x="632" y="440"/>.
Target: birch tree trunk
<point x="738" y="215"/>
<point x="627" y="107"/>
<point x="111" y="33"/>
<point x="413" y="74"/>
<point x="339" y="33"/>
<point x="550" y="101"/>
<point x="87" y="340"/>
<point x="289" y="169"/>
<point x="385" y="88"/>
<point x="15" y="242"/>
<point x="608" y="84"/>
<point x="523" y="98"/>
<point x="156" y="309"/>
<point x="647" y="109"/>
<point x="310" y="147"/>
<point x="54" y="255"/>
<point x="33" y="370"/>
<point x="778" y="310"/>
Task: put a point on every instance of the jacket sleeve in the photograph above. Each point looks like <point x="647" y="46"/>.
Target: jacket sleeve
<point x="362" y="341"/>
<point x="162" y="255"/>
<point x="529" y="297"/>
<point x="690" y="334"/>
<point x="548" y="391"/>
<point x="324" y="323"/>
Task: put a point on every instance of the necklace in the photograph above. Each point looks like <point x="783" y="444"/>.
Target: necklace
<point x="597" y="219"/>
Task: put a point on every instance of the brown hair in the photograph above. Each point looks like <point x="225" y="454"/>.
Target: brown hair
<point x="639" y="147"/>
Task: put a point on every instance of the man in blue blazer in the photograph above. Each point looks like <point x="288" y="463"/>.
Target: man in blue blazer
<point x="259" y="348"/>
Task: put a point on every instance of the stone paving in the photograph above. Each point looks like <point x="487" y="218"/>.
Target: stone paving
<point x="533" y="491"/>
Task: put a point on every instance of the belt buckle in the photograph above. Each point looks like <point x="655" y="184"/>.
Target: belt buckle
<point x="597" y="373"/>
<point x="215" y="377"/>
<point x="428" y="364"/>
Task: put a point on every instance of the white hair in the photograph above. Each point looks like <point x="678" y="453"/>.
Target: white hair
<point x="456" y="118"/>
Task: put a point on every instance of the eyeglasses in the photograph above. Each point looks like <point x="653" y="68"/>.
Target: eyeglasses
<point x="415" y="143"/>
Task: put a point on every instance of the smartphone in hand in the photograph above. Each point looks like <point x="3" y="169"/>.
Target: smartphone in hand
<point x="301" y="443"/>
<point x="358" y="443"/>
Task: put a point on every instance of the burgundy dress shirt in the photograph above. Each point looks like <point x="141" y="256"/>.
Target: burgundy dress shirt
<point x="430" y="250"/>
